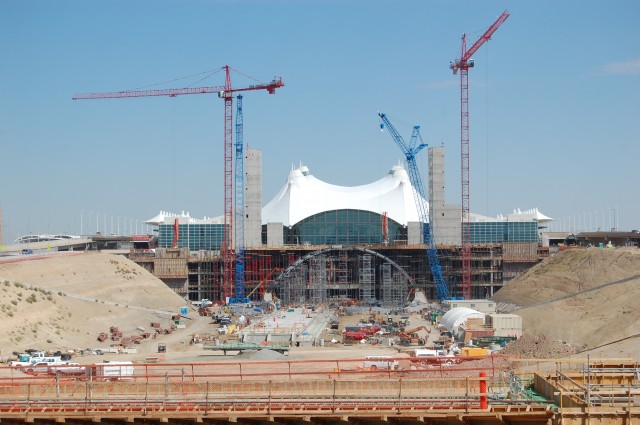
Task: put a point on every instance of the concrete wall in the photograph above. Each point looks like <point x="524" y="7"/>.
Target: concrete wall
<point x="414" y="234"/>
<point x="253" y="198"/>
<point x="275" y="237"/>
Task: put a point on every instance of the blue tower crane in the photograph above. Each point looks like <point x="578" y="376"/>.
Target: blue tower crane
<point x="239" y="208"/>
<point x="410" y="151"/>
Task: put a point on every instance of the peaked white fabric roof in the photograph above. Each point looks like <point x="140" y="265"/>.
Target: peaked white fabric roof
<point x="303" y="195"/>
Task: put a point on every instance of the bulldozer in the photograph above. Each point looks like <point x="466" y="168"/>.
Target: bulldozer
<point x="411" y="337"/>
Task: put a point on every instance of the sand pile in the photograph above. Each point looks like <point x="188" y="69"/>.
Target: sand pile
<point x="538" y="347"/>
<point x="585" y="297"/>
<point x="569" y="272"/>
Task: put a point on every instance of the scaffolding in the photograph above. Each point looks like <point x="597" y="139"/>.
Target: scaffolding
<point x="294" y="286"/>
<point x="367" y="288"/>
<point x="342" y="273"/>
<point x="318" y="280"/>
<point x="350" y="273"/>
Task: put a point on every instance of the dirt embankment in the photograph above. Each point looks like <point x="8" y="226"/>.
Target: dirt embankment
<point x="64" y="302"/>
<point x="587" y="298"/>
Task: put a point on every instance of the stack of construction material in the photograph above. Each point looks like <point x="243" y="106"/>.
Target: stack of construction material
<point x="473" y="328"/>
<point x="505" y="324"/>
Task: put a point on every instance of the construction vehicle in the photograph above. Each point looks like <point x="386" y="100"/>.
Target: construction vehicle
<point x="431" y="356"/>
<point x="26" y="359"/>
<point x="354" y="335"/>
<point x="473" y="352"/>
<point x="410" y="337"/>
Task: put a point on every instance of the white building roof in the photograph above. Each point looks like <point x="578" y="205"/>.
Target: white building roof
<point x="303" y="196"/>
<point x="165" y="217"/>
<point x="455" y="317"/>
<point x="517" y="215"/>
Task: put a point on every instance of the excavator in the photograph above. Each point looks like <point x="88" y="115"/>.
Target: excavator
<point x="410" y="336"/>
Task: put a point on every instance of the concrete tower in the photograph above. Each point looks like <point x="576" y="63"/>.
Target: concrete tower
<point x="445" y="218"/>
<point x="253" y="198"/>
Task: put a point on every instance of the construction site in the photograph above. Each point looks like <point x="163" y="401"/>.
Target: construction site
<point x="317" y="274"/>
<point x="372" y="304"/>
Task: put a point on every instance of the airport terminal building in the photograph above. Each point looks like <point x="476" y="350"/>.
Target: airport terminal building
<point x="315" y="241"/>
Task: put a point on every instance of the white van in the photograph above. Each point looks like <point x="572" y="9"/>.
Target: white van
<point x="380" y="362"/>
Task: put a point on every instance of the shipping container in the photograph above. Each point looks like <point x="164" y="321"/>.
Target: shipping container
<point x="504" y="321"/>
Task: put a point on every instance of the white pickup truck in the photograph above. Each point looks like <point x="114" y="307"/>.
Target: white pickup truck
<point x="53" y="364"/>
<point x="28" y="359"/>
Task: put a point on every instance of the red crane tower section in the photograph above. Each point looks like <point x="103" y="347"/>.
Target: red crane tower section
<point x="463" y="64"/>
<point x="225" y="92"/>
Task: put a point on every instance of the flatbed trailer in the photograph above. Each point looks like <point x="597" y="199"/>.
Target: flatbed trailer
<point x="246" y="347"/>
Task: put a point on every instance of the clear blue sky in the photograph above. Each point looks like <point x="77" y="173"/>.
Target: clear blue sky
<point x="554" y="102"/>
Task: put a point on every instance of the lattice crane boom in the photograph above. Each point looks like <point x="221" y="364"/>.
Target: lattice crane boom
<point x="463" y="64"/>
<point x="219" y="90"/>
<point x="410" y="151"/>
<point x="226" y="93"/>
<point x="239" y="188"/>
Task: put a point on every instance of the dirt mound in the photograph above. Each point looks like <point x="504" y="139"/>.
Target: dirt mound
<point x="569" y="272"/>
<point x="538" y="347"/>
<point x="585" y="297"/>
<point x="64" y="302"/>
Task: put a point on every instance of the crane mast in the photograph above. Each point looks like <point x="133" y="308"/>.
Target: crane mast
<point x="410" y="151"/>
<point x="463" y="64"/>
<point x="239" y="189"/>
<point x="226" y="93"/>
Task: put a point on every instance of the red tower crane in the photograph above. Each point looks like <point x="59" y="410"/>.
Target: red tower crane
<point x="225" y="92"/>
<point x="463" y="64"/>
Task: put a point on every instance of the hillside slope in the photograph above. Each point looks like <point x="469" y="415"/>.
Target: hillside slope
<point x="585" y="297"/>
<point x="568" y="272"/>
<point x="64" y="302"/>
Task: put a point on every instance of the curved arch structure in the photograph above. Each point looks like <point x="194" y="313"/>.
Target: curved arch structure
<point x="280" y="282"/>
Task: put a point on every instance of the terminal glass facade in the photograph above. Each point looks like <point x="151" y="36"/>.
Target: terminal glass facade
<point x="198" y="236"/>
<point x="343" y="227"/>
<point x="504" y="231"/>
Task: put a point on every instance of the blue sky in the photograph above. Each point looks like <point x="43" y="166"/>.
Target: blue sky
<point x="554" y="103"/>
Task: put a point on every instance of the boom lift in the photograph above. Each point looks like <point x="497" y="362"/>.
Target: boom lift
<point x="410" y="151"/>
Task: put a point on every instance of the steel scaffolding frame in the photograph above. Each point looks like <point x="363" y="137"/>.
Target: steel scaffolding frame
<point x="342" y="272"/>
<point x="367" y="289"/>
<point x="387" y="284"/>
<point x="318" y="280"/>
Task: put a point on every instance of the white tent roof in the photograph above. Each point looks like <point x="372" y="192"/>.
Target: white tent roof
<point x="165" y="217"/>
<point x="303" y="196"/>
<point x="457" y="316"/>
